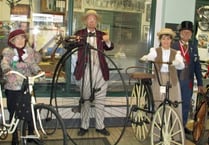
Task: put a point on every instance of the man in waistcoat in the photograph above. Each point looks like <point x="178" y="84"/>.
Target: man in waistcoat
<point x="99" y="68"/>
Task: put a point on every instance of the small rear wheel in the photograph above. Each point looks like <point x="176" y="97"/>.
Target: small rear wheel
<point x="142" y="105"/>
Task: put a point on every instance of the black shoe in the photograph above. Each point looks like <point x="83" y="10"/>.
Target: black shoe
<point x="103" y="131"/>
<point x="187" y="131"/>
<point x="82" y="132"/>
<point x="15" y="138"/>
<point x="15" y="143"/>
<point x="34" y="140"/>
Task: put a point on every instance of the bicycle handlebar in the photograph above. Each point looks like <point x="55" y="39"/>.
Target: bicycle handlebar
<point x="156" y="62"/>
<point x="156" y="72"/>
<point x="21" y="75"/>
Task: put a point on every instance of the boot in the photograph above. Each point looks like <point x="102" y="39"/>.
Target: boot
<point x="30" y="128"/>
<point x="15" y="138"/>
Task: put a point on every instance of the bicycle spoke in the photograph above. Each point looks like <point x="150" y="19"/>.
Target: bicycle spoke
<point x="92" y="92"/>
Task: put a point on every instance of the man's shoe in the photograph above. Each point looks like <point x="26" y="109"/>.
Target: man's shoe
<point x="82" y="132"/>
<point x="15" y="143"/>
<point x="187" y="131"/>
<point x="103" y="131"/>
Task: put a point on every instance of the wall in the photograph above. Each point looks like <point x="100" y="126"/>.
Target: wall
<point x="5" y="9"/>
<point x="173" y="11"/>
<point x="178" y="10"/>
<point x="168" y="11"/>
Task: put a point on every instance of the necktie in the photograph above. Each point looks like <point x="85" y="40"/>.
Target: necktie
<point x="91" y="34"/>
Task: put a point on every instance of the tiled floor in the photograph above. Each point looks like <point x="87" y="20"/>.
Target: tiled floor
<point x="127" y="139"/>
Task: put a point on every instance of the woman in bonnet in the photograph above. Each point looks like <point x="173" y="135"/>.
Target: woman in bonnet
<point x="164" y="53"/>
<point x="18" y="57"/>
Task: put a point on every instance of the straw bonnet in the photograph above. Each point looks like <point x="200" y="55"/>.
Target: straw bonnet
<point x="186" y="25"/>
<point x="91" y="12"/>
<point x="166" y="31"/>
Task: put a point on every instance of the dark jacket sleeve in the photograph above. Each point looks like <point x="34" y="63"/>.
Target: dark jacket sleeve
<point x="197" y="65"/>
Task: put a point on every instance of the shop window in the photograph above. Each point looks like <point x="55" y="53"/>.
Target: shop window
<point x="127" y="22"/>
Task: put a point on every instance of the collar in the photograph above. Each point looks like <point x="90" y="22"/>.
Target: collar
<point x="165" y="48"/>
<point x="183" y="42"/>
<point x="91" y="31"/>
<point x="91" y="34"/>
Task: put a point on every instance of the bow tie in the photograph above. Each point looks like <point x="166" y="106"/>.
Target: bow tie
<point x="91" y="34"/>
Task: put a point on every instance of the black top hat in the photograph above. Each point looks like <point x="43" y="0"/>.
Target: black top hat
<point x="186" y="25"/>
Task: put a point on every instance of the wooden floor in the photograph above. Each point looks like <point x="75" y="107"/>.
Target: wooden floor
<point x="127" y="139"/>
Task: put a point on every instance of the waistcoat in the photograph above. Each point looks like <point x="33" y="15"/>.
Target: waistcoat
<point x="171" y="68"/>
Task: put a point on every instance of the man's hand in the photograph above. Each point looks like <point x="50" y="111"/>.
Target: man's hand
<point x="106" y="38"/>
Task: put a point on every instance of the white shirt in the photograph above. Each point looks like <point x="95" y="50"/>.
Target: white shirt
<point x="179" y="63"/>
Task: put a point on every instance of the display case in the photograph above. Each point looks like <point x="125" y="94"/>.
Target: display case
<point x="123" y="20"/>
<point x="119" y="5"/>
<point x="53" y="6"/>
<point x="50" y="28"/>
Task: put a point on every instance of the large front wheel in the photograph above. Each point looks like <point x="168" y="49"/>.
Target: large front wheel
<point x="167" y="128"/>
<point x="91" y="102"/>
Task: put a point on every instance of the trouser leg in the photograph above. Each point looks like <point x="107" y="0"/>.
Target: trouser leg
<point x="186" y="94"/>
<point x="11" y="103"/>
<point x="99" y="85"/>
<point x="85" y="95"/>
<point x="100" y="101"/>
<point x="30" y="127"/>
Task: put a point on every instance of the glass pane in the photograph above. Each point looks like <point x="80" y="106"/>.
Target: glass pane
<point x="45" y="24"/>
<point x="126" y="21"/>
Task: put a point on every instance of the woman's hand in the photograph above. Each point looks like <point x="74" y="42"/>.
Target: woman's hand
<point x="201" y="89"/>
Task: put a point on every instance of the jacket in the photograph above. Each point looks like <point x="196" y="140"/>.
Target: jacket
<point x="81" y="59"/>
<point x="27" y="67"/>
<point x="194" y="64"/>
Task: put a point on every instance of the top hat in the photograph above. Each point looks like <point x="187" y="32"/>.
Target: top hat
<point x="166" y="31"/>
<point x="91" y="12"/>
<point x="186" y="25"/>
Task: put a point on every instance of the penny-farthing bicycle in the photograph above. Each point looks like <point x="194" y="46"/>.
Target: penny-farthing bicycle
<point x="167" y="127"/>
<point x="114" y="105"/>
<point x="163" y="125"/>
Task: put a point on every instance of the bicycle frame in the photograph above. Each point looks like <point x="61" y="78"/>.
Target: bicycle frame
<point x="11" y="127"/>
<point x="165" y="91"/>
<point x="14" y="122"/>
<point x="164" y="121"/>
